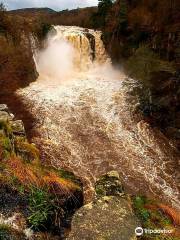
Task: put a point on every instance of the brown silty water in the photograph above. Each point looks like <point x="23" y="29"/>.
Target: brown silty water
<point x="86" y="122"/>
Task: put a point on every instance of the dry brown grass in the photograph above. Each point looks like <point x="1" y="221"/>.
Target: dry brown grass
<point x="24" y="172"/>
<point x="174" y="214"/>
<point x="171" y="212"/>
<point x="33" y="174"/>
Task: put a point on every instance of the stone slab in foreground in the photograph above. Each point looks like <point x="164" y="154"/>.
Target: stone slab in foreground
<point x="106" y="218"/>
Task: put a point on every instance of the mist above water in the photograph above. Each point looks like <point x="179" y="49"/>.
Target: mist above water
<point x="56" y="61"/>
<point x="64" y="59"/>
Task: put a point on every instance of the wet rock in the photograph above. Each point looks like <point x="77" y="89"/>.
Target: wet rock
<point x="14" y="227"/>
<point x="45" y="236"/>
<point x="2" y="132"/>
<point x="108" y="217"/>
<point x="18" y="127"/>
<point x="3" y="107"/>
<point x="25" y="150"/>
<point x="5" y="116"/>
<point x="109" y="185"/>
<point x="16" y="221"/>
<point x="173" y="132"/>
<point x="8" y="233"/>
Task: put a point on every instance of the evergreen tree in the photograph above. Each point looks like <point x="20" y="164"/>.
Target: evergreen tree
<point x="2" y="18"/>
<point x="2" y="7"/>
<point x="104" y="7"/>
<point x="123" y="15"/>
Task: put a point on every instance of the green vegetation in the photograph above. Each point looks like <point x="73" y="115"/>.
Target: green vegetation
<point x="99" y="19"/>
<point x="6" y="145"/>
<point x="41" y="29"/>
<point x="108" y="186"/>
<point x="29" y="151"/>
<point x="42" y="191"/>
<point x="67" y="175"/>
<point x="145" y="66"/>
<point x="4" y="227"/>
<point x="143" y="213"/>
<point x="5" y="142"/>
<point x="4" y="231"/>
<point x="144" y="63"/>
<point x="8" y="233"/>
<point x="152" y="217"/>
<point x="143" y="36"/>
<point x="41" y="206"/>
<point x="148" y="216"/>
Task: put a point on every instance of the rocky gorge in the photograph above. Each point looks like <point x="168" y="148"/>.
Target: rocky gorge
<point x="88" y="166"/>
<point x="26" y="186"/>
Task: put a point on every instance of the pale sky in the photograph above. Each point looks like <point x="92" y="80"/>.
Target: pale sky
<point x="54" y="4"/>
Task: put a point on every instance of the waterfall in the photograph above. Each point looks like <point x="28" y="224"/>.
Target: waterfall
<point x="77" y="48"/>
<point x="86" y="124"/>
<point x="87" y="42"/>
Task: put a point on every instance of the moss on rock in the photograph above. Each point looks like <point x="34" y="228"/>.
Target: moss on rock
<point x="39" y="193"/>
<point x="25" y="150"/>
<point x="152" y="215"/>
<point x="109" y="185"/>
<point x="108" y="217"/>
<point x="8" y="233"/>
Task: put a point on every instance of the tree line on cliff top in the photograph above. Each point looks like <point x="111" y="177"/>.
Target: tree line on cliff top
<point x="143" y="36"/>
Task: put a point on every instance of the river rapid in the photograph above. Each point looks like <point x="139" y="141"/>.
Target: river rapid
<point x="86" y="123"/>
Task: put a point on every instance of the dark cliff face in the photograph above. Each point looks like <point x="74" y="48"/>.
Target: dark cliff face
<point x="18" y="70"/>
<point x="17" y="67"/>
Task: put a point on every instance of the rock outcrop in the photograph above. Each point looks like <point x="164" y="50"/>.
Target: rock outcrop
<point x="108" y="217"/>
<point x="32" y="195"/>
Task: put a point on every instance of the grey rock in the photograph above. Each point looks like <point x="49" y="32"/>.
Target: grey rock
<point x="108" y="217"/>
<point x="5" y="116"/>
<point x="2" y="133"/>
<point x="12" y="115"/>
<point x="18" y="127"/>
<point x="3" y="107"/>
<point x="109" y="185"/>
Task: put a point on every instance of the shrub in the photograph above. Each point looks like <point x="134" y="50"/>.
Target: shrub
<point x="148" y="69"/>
<point x="4" y="232"/>
<point x="41" y="29"/>
<point x="41" y="207"/>
<point x="151" y="216"/>
<point x="143" y="213"/>
<point x="144" y="63"/>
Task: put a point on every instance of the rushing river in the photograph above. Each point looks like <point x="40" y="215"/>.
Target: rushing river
<point x="86" y="123"/>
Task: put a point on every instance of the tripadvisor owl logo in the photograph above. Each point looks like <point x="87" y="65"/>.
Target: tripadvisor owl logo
<point x="139" y="231"/>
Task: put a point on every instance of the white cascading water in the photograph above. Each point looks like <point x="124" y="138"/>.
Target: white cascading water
<point x="86" y="124"/>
